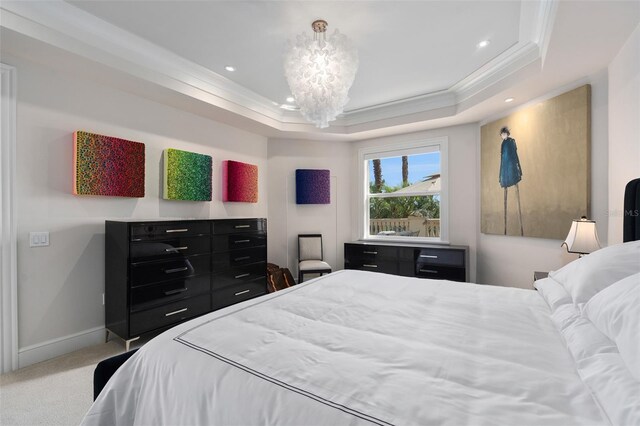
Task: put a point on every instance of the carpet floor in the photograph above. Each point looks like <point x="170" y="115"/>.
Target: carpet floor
<point x="54" y="392"/>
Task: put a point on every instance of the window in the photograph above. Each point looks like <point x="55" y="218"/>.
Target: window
<point x="405" y="191"/>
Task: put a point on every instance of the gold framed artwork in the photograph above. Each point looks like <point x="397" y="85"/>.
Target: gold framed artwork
<point x="535" y="168"/>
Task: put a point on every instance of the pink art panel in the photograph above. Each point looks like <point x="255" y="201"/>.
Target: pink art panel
<point x="239" y="182"/>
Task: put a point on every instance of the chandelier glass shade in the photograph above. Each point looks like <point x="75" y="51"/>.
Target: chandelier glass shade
<point x="320" y="71"/>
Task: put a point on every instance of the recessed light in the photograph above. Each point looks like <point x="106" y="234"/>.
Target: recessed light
<point x="289" y="107"/>
<point x="290" y="99"/>
<point x="230" y="68"/>
<point x="509" y="100"/>
<point x="484" y="43"/>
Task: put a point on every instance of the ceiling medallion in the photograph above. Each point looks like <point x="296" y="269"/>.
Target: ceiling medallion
<point x="320" y="72"/>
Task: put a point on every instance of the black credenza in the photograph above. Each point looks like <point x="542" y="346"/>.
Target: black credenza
<point x="409" y="260"/>
<point x="161" y="273"/>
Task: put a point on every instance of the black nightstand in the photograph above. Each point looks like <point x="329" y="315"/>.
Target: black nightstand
<point x="537" y="275"/>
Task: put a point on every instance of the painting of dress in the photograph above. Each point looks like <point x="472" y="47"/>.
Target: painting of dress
<point x="535" y="167"/>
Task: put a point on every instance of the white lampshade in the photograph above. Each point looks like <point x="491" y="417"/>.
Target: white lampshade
<point x="582" y="237"/>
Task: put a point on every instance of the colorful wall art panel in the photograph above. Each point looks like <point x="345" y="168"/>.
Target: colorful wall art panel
<point x="104" y="165"/>
<point x="313" y="186"/>
<point x="239" y="182"/>
<point x="187" y="176"/>
<point x="535" y="168"/>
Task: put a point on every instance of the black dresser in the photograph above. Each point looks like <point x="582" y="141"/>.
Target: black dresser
<point x="409" y="260"/>
<point x="161" y="273"/>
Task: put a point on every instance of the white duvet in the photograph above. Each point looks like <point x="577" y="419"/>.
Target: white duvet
<point x="356" y="348"/>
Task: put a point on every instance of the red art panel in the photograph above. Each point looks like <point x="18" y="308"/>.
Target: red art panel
<point x="104" y="165"/>
<point x="239" y="182"/>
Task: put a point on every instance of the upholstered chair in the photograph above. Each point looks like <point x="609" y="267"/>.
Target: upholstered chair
<point x="311" y="256"/>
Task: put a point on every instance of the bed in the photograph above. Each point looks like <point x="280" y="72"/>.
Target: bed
<point x="358" y="347"/>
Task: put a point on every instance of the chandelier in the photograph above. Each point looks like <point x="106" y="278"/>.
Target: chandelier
<point x="320" y="72"/>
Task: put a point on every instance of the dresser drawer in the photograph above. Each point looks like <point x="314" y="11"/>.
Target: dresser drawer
<point x="237" y="293"/>
<point x="239" y="225"/>
<point x="172" y="313"/>
<point x="178" y="246"/>
<point x="384" y="266"/>
<point x="242" y="274"/>
<point x="160" y="293"/>
<point x="237" y="241"/>
<point x="407" y="268"/>
<point x="436" y="256"/>
<point x="152" y="231"/>
<point x="370" y="252"/>
<point x="240" y="257"/>
<point x="164" y="270"/>
<point x="438" y="272"/>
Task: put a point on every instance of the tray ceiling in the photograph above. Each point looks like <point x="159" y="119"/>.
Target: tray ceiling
<point x="420" y="66"/>
<point x="405" y="50"/>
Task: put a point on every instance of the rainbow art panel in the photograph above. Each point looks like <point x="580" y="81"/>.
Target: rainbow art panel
<point x="313" y="186"/>
<point x="239" y="182"/>
<point x="187" y="175"/>
<point x="104" y="165"/>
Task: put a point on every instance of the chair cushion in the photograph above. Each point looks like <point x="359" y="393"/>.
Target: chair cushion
<point x="314" y="265"/>
<point x="310" y="248"/>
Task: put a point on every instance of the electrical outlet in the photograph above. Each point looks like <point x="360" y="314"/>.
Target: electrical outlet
<point x="39" y="239"/>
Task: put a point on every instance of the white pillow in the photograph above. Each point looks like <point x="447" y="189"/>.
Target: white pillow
<point x="553" y="293"/>
<point x="585" y="277"/>
<point x="615" y="311"/>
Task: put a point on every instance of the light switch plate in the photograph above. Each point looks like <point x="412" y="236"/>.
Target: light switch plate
<point x="39" y="239"/>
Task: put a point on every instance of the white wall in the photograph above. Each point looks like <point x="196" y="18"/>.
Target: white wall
<point x="287" y="219"/>
<point x="624" y="128"/>
<point x="511" y="261"/>
<point x="463" y="172"/>
<point x="60" y="287"/>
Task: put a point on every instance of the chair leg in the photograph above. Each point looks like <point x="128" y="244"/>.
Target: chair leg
<point x="299" y="277"/>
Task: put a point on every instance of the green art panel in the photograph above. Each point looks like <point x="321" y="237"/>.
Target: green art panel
<point x="187" y="176"/>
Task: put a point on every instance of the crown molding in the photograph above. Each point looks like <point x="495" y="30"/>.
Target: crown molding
<point x="67" y="27"/>
<point x="545" y="20"/>
<point x="62" y="25"/>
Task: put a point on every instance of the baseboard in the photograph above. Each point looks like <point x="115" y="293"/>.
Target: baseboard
<point x="60" y="346"/>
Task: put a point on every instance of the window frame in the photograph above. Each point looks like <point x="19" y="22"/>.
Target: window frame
<point x="421" y="146"/>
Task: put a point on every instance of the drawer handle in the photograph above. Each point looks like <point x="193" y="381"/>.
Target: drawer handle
<point x="176" y="312"/>
<point x="242" y="226"/>
<point x="169" y="231"/>
<point x="238" y="259"/>
<point x="429" y="256"/>
<point x="241" y="276"/>
<point x="429" y="271"/>
<point x="242" y="292"/>
<point x="176" y="291"/>
<point x="370" y="266"/>
<point x="241" y="241"/>
<point x="369" y="252"/>
<point x="177" y="248"/>
<point x="174" y="270"/>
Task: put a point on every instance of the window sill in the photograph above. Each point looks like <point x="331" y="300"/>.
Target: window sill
<point x="417" y="240"/>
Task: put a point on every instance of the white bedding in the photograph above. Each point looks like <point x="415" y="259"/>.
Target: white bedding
<point x="356" y="348"/>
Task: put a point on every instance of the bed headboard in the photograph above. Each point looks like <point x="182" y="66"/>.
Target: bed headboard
<point x="631" y="223"/>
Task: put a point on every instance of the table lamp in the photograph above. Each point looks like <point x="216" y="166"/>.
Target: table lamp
<point x="582" y="237"/>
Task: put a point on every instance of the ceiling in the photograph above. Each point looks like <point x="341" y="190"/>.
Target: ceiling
<point x="420" y="66"/>
<point x="404" y="50"/>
